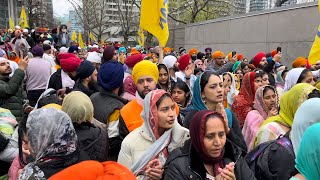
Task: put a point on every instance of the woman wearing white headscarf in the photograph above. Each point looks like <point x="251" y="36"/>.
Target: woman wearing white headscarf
<point x="296" y="76"/>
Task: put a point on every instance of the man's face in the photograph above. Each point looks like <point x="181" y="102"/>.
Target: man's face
<point x="25" y="34"/>
<point x="5" y="68"/>
<point x="176" y="67"/>
<point x="145" y="84"/>
<point x="220" y="60"/>
<point x="263" y="62"/>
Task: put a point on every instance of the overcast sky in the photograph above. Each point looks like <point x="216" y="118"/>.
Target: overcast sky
<point x="61" y="7"/>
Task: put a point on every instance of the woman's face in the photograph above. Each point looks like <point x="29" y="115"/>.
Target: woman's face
<point x="179" y="96"/>
<point x="270" y="99"/>
<point x="213" y="91"/>
<point x="215" y="137"/>
<point x="308" y="79"/>
<point x="226" y="88"/>
<point x="245" y="61"/>
<point x="227" y="80"/>
<point x="163" y="76"/>
<point x="245" y="70"/>
<point x="26" y="143"/>
<point x="200" y="64"/>
<point x="257" y="83"/>
<point x="265" y="80"/>
<point x="166" y="113"/>
<point x="239" y="73"/>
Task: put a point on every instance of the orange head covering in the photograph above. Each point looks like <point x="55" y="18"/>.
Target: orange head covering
<point x="273" y="53"/>
<point x="134" y="51"/>
<point x="193" y="51"/>
<point x="229" y="56"/>
<point x="166" y="50"/>
<point x="95" y="170"/>
<point x="299" y="62"/>
<point x="239" y="57"/>
<point x="218" y="54"/>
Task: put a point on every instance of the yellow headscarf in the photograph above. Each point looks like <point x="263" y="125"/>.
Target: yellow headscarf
<point x="145" y="68"/>
<point x="289" y="103"/>
<point x="78" y="106"/>
<point x="317" y="85"/>
<point x="52" y="105"/>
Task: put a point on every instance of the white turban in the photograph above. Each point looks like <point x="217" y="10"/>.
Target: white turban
<point x="169" y="61"/>
<point x="94" y="57"/>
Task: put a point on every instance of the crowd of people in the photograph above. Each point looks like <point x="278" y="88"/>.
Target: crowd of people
<point x="117" y="112"/>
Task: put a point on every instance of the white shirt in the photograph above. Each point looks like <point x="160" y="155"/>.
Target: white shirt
<point x="182" y="76"/>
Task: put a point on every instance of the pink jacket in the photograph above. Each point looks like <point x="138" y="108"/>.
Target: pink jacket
<point x="13" y="172"/>
<point x="251" y="127"/>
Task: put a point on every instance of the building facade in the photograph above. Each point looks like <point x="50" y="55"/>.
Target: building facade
<point x="75" y="22"/>
<point x="9" y="8"/>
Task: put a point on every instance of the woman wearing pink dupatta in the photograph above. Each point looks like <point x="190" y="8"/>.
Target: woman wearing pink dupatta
<point x="265" y="105"/>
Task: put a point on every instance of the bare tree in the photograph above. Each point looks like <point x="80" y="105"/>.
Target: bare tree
<point x="40" y="14"/>
<point x="93" y="15"/>
<point x="191" y="11"/>
<point x="129" y="18"/>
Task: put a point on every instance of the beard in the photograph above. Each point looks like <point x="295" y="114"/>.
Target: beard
<point x="260" y="66"/>
<point x="175" y="68"/>
<point x="93" y="86"/>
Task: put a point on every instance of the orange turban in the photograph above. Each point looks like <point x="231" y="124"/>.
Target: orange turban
<point x="134" y="51"/>
<point x="218" y="54"/>
<point x="229" y="56"/>
<point x="166" y="50"/>
<point x="273" y="53"/>
<point x="299" y="62"/>
<point x="193" y="51"/>
<point x="95" y="170"/>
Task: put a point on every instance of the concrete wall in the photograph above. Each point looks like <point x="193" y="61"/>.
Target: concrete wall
<point x="293" y="28"/>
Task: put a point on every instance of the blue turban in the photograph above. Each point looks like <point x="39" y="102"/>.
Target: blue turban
<point x="269" y="59"/>
<point x="72" y="49"/>
<point x="110" y="75"/>
<point x="122" y="49"/>
<point x="85" y="69"/>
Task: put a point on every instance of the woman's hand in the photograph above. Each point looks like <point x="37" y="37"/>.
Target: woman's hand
<point x="220" y="109"/>
<point x="227" y="173"/>
<point x="154" y="170"/>
<point x="273" y="112"/>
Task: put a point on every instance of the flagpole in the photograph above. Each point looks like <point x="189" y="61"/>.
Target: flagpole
<point x="160" y="54"/>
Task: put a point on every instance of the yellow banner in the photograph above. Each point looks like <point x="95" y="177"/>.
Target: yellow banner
<point x="314" y="55"/>
<point x="91" y="36"/>
<point x="23" y="23"/>
<point x="154" y="19"/>
<point x="11" y="24"/>
<point x="74" y="36"/>
<point x="140" y="38"/>
<point x="80" y="40"/>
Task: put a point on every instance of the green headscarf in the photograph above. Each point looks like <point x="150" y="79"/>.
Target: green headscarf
<point x="307" y="160"/>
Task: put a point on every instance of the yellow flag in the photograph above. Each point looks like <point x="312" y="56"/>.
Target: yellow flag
<point x="140" y="38"/>
<point x="23" y="19"/>
<point x="314" y="55"/>
<point x="11" y="24"/>
<point x="80" y="40"/>
<point x="74" y="36"/>
<point x="154" y="19"/>
<point x="91" y="36"/>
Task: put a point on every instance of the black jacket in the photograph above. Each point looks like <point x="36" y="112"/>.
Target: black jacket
<point x="92" y="140"/>
<point x="184" y="163"/>
<point x="105" y="103"/>
<point x="55" y="81"/>
<point x="51" y="168"/>
<point x="234" y="135"/>
<point x="78" y="86"/>
<point x="11" y="93"/>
